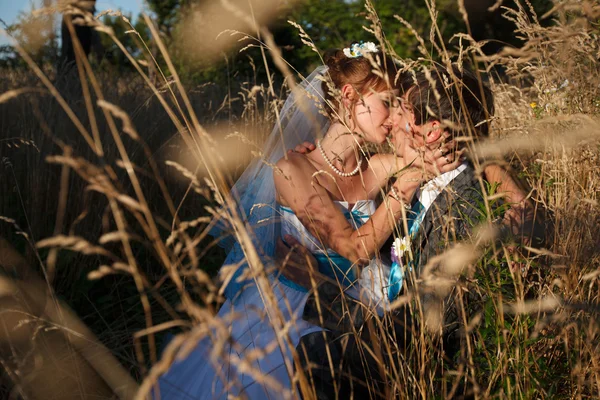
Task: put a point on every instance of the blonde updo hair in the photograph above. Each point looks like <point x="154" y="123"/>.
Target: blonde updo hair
<point x="359" y="72"/>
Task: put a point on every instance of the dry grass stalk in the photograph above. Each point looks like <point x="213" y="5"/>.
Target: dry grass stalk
<point x="554" y="141"/>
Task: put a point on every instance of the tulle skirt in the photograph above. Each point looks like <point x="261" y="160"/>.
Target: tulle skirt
<point x="202" y="376"/>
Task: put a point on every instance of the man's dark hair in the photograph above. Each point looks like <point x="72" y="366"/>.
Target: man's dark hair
<point x="461" y="98"/>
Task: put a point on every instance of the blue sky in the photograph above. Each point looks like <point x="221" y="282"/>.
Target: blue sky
<point x="9" y="9"/>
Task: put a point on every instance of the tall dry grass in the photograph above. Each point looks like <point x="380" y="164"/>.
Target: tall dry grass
<point x="93" y="197"/>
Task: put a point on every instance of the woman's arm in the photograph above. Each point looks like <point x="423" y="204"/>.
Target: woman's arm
<point x="298" y="188"/>
<point x="312" y="203"/>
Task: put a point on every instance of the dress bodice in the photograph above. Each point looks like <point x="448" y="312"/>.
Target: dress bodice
<point x="330" y="263"/>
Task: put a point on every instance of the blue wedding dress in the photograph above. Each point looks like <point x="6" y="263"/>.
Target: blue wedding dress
<point x="202" y="375"/>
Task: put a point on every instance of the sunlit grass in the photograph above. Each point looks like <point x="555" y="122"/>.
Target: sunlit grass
<point x="126" y="175"/>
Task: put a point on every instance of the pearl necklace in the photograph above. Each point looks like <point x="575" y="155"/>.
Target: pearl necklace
<point x="337" y="171"/>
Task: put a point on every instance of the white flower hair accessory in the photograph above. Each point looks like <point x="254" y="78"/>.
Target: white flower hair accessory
<point x="360" y="49"/>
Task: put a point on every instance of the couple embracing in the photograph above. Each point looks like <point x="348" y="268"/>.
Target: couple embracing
<point x="336" y="207"/>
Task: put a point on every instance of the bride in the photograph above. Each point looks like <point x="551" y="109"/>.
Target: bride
<point x="325" y="199"/>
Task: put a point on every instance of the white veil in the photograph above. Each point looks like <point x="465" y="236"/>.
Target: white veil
<point x="302" y="118"/>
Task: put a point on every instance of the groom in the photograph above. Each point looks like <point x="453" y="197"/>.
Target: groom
<point x="347" y="358"/>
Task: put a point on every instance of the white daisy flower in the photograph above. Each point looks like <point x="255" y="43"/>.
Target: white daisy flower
<point x="399" y="247"/>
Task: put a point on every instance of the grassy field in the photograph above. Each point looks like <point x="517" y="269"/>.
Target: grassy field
<point x="109" y="188"/>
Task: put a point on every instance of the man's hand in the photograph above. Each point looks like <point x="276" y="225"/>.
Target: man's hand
<point x="303" y="148"/>
<point x="296" y="263"/>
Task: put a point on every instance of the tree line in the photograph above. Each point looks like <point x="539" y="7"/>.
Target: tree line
<point x="329" y="23"/>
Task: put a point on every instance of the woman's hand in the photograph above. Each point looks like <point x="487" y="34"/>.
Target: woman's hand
<point x="303" y="148"/>
<point x="296" y="263"/>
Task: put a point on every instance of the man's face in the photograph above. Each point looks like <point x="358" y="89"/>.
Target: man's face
<point x="403" y="130"/>
<point x="408" y="138"/>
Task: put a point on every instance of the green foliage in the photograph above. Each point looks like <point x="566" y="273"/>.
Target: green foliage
<point x="506" y="341"/>
<point x="167" y="12"/>
<point x="330" y="24"/>
<point x="131" y="41"/>
<point x="337" y="23"/>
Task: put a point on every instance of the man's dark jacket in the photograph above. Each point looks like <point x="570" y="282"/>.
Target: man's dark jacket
<point x="449" y="219"/>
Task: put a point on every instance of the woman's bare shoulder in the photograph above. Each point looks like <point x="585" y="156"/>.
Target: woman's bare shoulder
<point x="294" y="166"/>
<point x="293" y="162"/>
